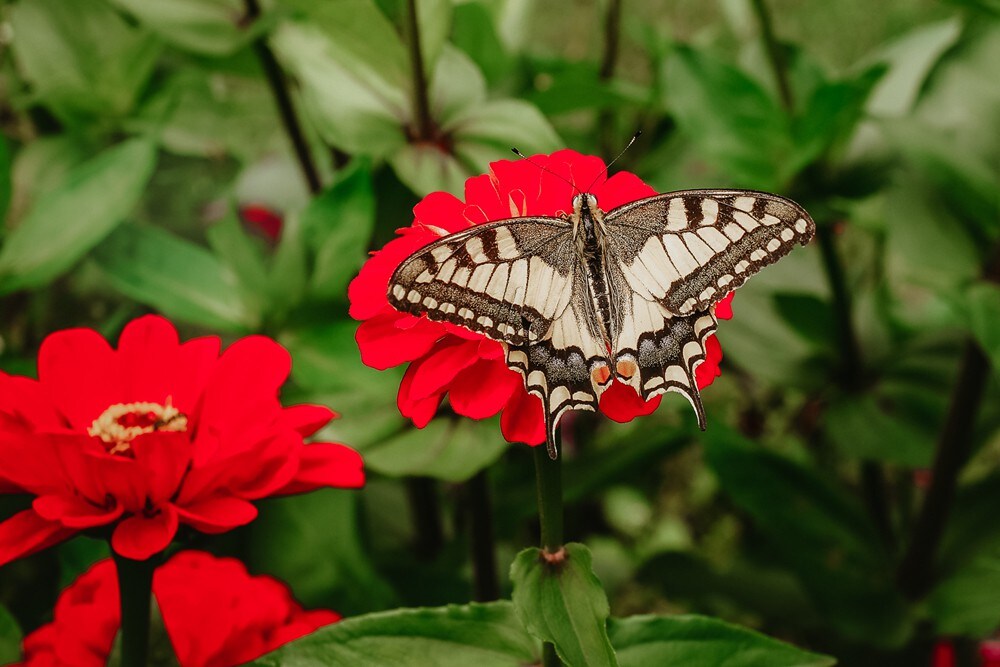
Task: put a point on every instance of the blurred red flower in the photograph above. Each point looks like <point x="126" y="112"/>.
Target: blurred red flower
<point x="215" y="614"/>
<point x="263" y="219"/>
<point x="153" y="435"/>
<point x="446" y="359"/>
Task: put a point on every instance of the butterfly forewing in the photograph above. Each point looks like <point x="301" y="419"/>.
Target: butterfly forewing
<point x="687" y="250"/>
<point x="507" y="280"/>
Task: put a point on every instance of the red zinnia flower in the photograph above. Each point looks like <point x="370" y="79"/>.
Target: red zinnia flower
<point x="214" y="612"/>
<point x="447" y="359"/>
<point x="152" y="435"/>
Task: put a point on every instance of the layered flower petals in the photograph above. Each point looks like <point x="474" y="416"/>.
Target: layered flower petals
<point x="153" y="434"/>
<point x="215" y="614"/>
<point x="447" y="360"/>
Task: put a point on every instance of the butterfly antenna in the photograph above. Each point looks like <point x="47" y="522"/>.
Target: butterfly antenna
<point x="543" y="168"/>
<point x="631" y="141"/>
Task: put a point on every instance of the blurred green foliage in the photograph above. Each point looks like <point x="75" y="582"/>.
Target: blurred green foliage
<point x="138" y="135"/>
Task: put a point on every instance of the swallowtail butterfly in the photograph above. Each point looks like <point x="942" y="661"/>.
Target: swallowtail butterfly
<point x="582" y="299"/>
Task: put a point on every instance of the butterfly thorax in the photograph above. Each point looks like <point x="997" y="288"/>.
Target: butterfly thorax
<point x="588" y="234"/>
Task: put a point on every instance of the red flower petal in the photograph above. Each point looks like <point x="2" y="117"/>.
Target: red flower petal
<point x="522" y="419"/>
<point x="26" y="401"/>
<point x="307" y="419"/>
<point x="367" y="292"/>
<point x="81" y="374"/>
<point x="483" y="389"/>
<point x="217" y="515"/>
<point x="724" y="308"/>
<point x="139" y="537"/>
<point x="327" y="464"/>
<point x="438" y="368"/>
<point x="708" y="370"/>
<point x="621" y="403"/>
<point x="421" y="410"/>
<point x="164" y="457"/>
<point x="74" y="511"/>
<point x="383" y="344"/>
<point x="27" y="532"/>
<point x="146" y="376"/>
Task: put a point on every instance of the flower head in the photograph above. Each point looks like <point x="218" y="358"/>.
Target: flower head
<point x="214" y="612"/>
<point x="447" y="359"/>
<point x="152" y="435"/>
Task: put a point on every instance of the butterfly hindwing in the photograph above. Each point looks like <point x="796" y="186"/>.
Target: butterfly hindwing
<point x="687" y="250"/>
<point x="507" y="280"/>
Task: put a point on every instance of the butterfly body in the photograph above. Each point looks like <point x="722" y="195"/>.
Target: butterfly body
<point x="584" y="299"/>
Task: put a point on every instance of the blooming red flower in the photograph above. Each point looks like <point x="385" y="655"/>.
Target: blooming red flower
<point x="152" y="435"/>
<point x="263" y="219"/>
<point x="215" y="614"/>
<point x="447" y="359"/>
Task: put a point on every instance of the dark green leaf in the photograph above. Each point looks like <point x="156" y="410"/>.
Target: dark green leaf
<point x="434" y="21"/>
<point x="452" y="450"/>
<point x="734" y="121"/>
<point x="822" y="533"/>
<point x="338" y="226"/>
<point x="645" y="641"/>
<point x="564" y="603"/>
<point x="484" y="635"/>
<point x="210" y="27"/>
<point x="313" y="543"/>
<point x="809" y="315"/>
<point x="358" y="100"/>
<point x="5" y="178"/>
<point x="83" y="60"/>
<point x="972" y="532"/>
<point x="10" y="638"/>
<point x="241" y="255"/>
<point x="862" y="429"/>
<point x="475" y="33"/>
<point x="91" y="200"/>
<point x="179" y="278"/>
<point x="967" y="603"/>
<point x="328" y="366"/>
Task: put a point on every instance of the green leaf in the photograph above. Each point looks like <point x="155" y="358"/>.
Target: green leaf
<point x="484" y="635"/>
<point x="91" y="200"/>
<point x="434" y="19"/>
<point x="5" y="178"/>
<point x="821" y="532"/>
<point x="564" y="603"/>
<point x="425" y="168"/>
<point x="289" y="535"/>
<point x="972" y="531"/>
<point x="809" y="315"/>
<point x="644" y="641"/>
<point x="242" y="255"/>
<point x="355" y="104"/>
<point x="83" y="60"/>
<point x="174" y="276"/>
<point x="729" y="116"/>
<point x="862" y="429"/>
<point x="210" y="27"/>
<point x="328" y="366"/>
<point x="983" y="303"/>
<point x="910" y="59"/>
<point x="967" y="603"/>
<point x="10" y="638"/>
<point x="474" y="32"/>
<point x="338" y="225"/>
<point x="452" y="450"/>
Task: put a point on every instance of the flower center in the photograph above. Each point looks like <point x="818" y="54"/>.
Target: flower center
<point x="121" y="423"/>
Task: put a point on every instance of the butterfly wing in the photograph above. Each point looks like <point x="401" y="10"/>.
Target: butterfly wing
<point x="680" y="253"/>
<point x="687" y="250"/>
<point x="518" y="282"/>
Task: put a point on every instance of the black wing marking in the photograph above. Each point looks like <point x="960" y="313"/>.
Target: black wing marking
<point x="508" y="280"/>
<point x="687" y="250"/>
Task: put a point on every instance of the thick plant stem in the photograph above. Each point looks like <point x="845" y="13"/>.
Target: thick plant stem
<point x="135" y="587"/>
<point x="954" y="448"/>
<point x="484" y="560"/>
<point x="421" y="103"/>
<point x="548" y="477"/>
<point x="426" y="508"/>
<point x="286" y="109"/>
<point x="774" y="53"/>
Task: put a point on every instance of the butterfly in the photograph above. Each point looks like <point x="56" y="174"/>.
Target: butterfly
<point x="580" y="300"/>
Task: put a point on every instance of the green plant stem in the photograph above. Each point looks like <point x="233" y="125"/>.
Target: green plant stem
<point x="421" y="103"/>
<point x="484" y="560"/>
<point x="609" y="60"/>
<point x="548" y="477"/>
<point x="426" y="509"/>
<point x="286" y="108"/>
<point x="774" y="53"/>
<point x="135" y="587"/>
